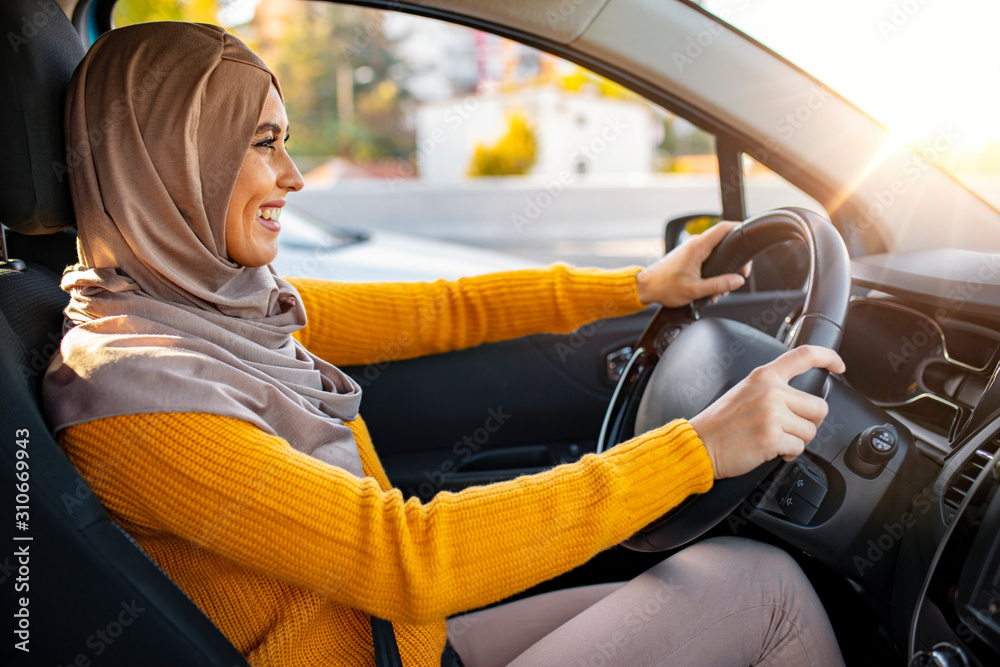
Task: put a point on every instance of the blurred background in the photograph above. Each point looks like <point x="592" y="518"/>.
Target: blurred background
<point x="406" y="124"/>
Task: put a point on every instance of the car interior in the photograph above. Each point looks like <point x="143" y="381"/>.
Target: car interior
<point x="891" y="511"/>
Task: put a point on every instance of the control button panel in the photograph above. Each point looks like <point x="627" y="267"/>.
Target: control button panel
<point x="801" y="493"/>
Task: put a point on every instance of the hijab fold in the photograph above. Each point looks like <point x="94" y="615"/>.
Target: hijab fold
<point x="159" y="117"/>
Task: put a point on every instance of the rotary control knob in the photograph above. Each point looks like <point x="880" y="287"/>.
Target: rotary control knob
<point x="941" y="655"/>
<point x="877" y="444"/>
<point x="872" y="449"/>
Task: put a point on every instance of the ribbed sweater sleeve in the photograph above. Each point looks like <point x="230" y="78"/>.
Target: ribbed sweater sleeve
<point x="249" y="497"/>
<point x="363" y="323"/>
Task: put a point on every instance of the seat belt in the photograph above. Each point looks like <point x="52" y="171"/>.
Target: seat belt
<point x="384" y="641"/>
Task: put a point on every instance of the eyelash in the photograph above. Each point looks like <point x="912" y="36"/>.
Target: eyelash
<point x="268" y="143"/>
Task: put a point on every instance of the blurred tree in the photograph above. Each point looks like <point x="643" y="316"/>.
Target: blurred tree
<point x="340" y="75"/>
<point x="339" y="72"/>
<point x="682" y="138"/>
<point x="513" y="155"/>
<point x="582" y="80"/>
<point x="128" y="12"/>
<point x="700" y="224"/>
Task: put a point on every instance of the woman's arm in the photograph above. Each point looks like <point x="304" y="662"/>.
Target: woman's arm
<point x="236" y="491"/>
<point x="363" y="323"/>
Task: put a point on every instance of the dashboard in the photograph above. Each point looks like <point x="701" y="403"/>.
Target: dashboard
<point x="929" y="373"/>
<point x="922" y="342"/>
<point x="895" y="492"/>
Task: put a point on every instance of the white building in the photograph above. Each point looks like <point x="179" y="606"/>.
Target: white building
<point x="577" y="133"/>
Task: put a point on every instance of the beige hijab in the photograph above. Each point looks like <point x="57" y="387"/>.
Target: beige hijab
<point x="159" y="118"/>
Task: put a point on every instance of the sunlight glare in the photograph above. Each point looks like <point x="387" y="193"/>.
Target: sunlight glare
<point x="917" y="66"/>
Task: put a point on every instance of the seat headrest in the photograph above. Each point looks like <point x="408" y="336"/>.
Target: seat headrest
<point x="42" y="51"/>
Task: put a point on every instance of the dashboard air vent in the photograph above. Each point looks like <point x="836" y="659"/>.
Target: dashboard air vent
<point x="961" y="483"/>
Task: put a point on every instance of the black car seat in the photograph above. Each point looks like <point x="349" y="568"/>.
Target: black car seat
<point x="76" y="589"/>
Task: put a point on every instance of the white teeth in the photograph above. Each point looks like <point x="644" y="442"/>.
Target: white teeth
<point x="269" y="213"/>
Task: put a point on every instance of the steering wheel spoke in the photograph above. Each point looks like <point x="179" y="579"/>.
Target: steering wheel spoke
<point x="682" y="364"/>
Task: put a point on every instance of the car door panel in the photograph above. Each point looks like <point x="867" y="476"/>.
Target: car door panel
<point x="490" y="412"/>
<point x="496" y="411"/>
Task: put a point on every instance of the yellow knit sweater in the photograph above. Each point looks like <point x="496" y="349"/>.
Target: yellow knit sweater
<point x="289" y="555"/>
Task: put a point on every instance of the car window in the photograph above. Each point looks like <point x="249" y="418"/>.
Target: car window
<point x="765" y="190"/>
<point x="412" y="126"/>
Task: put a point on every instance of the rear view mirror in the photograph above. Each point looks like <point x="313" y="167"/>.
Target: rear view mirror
<point x="680" y="228"/>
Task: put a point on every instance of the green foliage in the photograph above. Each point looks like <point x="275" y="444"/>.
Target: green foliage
<point x="128" y="12"/>
<point x="315" y="49"/>
<point x="580" y="80"/>
<point x="316" y="56"/>
<point x="700" y="224"/>
<point x="513" y="155"/>
<point x="689" y="141"/>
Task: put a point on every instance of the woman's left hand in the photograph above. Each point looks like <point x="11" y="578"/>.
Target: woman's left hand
<point x="675" y="279"/>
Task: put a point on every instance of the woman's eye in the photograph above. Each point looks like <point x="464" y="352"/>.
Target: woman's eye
<point x="266" y="143"/>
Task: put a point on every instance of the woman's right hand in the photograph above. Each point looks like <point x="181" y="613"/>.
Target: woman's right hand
<point x="762" y="417"/>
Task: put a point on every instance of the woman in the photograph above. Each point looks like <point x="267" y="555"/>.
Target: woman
<point x="185" y="395"/>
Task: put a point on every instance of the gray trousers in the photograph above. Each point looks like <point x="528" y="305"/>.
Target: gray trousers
<point x="724" y="602"/>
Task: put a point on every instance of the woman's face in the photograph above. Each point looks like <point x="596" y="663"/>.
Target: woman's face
<point x="268" y="174"/>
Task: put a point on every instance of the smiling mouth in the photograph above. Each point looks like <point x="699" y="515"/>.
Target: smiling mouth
<point x="268" y="216"/>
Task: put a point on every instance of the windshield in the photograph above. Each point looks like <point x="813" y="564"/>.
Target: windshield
<point x="923" y="68"/>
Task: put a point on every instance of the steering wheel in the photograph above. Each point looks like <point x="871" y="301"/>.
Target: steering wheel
<point x="682" y="363"/>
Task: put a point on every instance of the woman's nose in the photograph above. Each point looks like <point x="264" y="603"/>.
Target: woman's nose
<point x="290" y="178"/>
